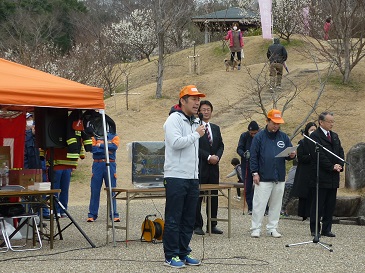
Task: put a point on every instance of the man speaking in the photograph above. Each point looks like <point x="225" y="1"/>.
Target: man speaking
<point x="181" y="178"/>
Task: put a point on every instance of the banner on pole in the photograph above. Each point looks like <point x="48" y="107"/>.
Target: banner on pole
<point x="266" y="18"/>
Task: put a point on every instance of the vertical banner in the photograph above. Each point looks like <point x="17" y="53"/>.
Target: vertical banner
<point x="306" y="21"/>
<point x="266" y="22"/>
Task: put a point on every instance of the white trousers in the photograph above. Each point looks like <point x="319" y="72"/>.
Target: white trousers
<point x="265" y="192"/>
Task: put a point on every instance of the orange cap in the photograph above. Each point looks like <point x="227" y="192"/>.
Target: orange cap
<point x="190" y="90"/>
<point x="275" y="116"/>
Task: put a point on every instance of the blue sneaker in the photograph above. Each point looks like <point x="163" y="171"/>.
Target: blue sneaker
<point x="174" y="262"/>
<point x="188" y="260"/>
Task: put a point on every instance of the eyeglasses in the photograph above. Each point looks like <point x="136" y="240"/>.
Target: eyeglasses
<point x="205" y="110"/>
<point x="330" y="121"/>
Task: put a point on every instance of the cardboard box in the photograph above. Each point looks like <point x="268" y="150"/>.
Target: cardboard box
<point x="25" y="177"/>
<point x="5" y="156"/>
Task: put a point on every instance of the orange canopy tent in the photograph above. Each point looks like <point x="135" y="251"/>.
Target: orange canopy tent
<point x="23" y="88"/>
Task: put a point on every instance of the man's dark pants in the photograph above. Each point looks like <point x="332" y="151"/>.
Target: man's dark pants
<point x="181" y="199"/>
<point x="326" y="208"/>
<point x="214" y="204"/>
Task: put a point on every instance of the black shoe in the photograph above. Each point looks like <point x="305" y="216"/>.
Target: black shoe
<point x="328" y="234"/>
<point x="199" y="231"/>
<point x="216" y="230"/>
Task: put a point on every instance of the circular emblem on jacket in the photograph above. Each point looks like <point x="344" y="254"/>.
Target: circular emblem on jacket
<point x="281" y="144"/>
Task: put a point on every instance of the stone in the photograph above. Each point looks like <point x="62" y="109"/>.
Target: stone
<point x="361" y="210"/>
<point x="354" y="175"/>
<point x="348" y="222"/>
<point x="361" y="220"/>
<point x="292" y="207"/>
<point x="347" y="205"/>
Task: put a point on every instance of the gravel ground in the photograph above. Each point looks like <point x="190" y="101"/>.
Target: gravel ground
<point x="240" y="253"/>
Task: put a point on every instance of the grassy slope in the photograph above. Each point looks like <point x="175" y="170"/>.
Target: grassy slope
<point x="231" y="94"/>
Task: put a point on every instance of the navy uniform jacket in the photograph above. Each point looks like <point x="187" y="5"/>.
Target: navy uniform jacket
<point x="265" y="146"/>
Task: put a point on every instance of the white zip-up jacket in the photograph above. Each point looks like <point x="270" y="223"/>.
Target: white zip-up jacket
<point x="181" y="147"/>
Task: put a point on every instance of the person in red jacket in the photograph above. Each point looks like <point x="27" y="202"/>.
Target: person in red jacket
<point x="235" y="38"/>
<point x="327" y="27"/>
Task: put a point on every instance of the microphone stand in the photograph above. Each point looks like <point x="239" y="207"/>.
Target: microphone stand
<point x="200" y="116"/>
<point x="316" y="233"/>
<point x="247" y="156"/>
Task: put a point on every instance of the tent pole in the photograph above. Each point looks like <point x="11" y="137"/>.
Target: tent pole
<point x="102" y="112"/>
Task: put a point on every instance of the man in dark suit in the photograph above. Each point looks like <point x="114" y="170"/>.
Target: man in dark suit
<point x="210" y="152"/>
<point x="329" y="174"/>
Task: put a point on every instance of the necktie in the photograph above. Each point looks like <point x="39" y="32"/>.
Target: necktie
<point x="329" y="136"/>
<point x="208" y="134"/>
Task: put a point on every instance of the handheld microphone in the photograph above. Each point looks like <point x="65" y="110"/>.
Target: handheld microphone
<point x="247" y="155"/>
<point x="200" y="115"/>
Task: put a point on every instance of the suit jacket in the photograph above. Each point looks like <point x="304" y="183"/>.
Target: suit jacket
<point x="207" y="170"/>
<point x="328" y="178"/>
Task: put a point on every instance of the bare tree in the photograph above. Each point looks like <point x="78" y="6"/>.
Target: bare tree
<point x="33" y="35"/>
<point x="26" y="37"/>
<point x="177" y="36"/>
<point x="169" y="17"/>
<point x="137" y="34"/>
<point x="288" y="17"/>
<point x="165" y="13"/>
<point x="278" y="98"/>
<point x="95" y="56"/>
<point x="283" y="99"/>
<point x="346" y="44"/>
<point x="322" y="81"/>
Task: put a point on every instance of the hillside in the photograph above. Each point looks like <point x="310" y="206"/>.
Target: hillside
<point x="231" y="94"/>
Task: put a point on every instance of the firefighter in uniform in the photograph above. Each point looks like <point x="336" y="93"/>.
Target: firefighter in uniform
<point x="66" y="158"/>
<point x="100" y="173"/>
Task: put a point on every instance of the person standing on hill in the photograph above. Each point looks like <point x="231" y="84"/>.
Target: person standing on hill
<point x="277" y="56"/>
<point x="181" y="177"/>
<point x="243" y="149"/>
<point x="327" y="27"/>
<point x="236" y="44"/>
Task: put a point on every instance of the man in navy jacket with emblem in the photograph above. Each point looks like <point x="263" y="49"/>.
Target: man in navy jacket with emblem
<point x="268" y="172"/>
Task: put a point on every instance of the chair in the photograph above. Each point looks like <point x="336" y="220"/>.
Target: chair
<point x="3" y="233"/>
<point x="28" y="219"/>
